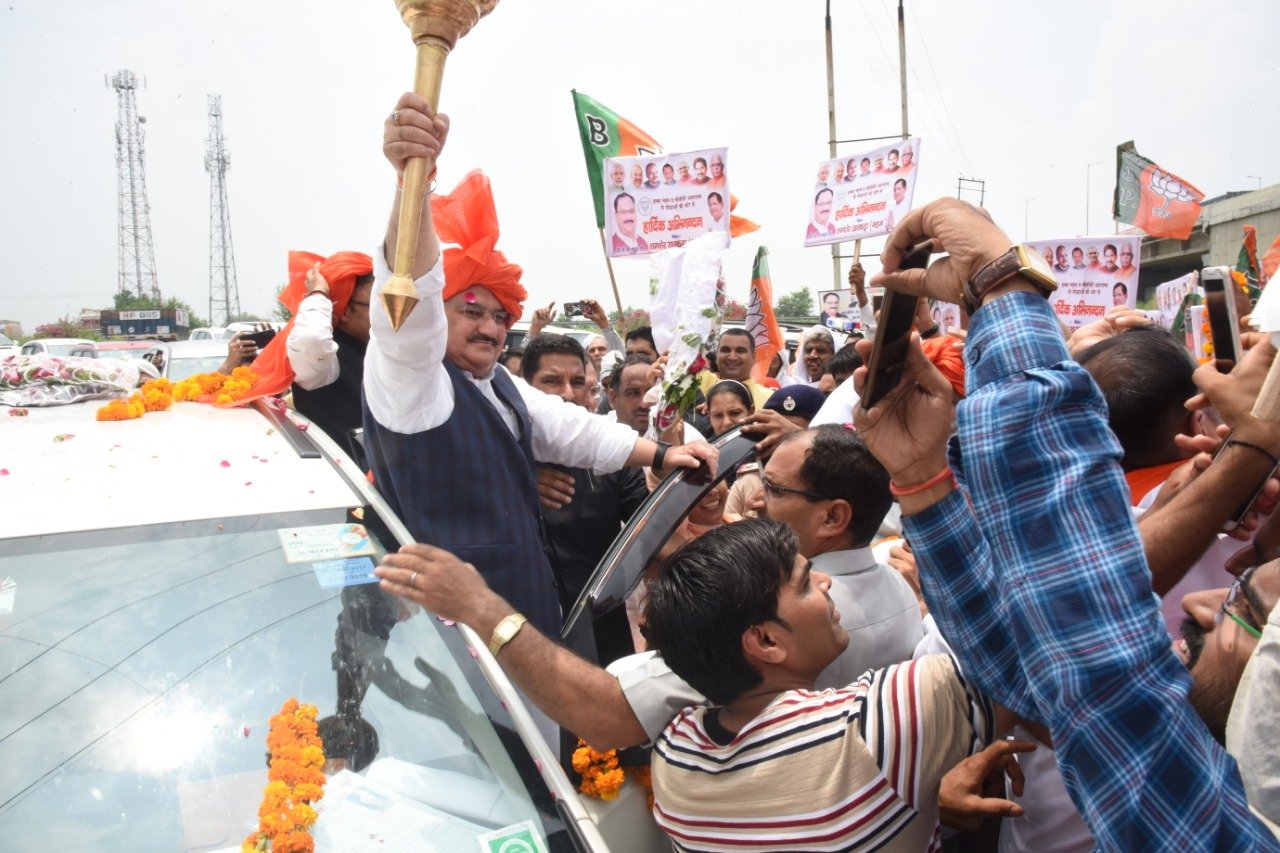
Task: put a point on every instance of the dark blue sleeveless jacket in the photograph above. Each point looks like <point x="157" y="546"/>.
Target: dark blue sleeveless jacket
<point x="468" y="486"/>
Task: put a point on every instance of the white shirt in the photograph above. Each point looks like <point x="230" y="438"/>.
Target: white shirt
<point x="408" y="390"/>
<point x="310" y="347"/>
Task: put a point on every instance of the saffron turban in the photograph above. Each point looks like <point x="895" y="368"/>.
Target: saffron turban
<point x="341" y="270"/>
<point x="467" y="218"/>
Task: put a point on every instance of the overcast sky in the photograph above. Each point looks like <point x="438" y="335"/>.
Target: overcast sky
<point x="1023" y="96"/>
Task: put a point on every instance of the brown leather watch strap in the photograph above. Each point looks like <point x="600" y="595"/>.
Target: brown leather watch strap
<point x="992" y="275"/>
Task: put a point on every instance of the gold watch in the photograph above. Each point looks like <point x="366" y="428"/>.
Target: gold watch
<point x="1019" y="260"/>
<point x="505" y="632"/>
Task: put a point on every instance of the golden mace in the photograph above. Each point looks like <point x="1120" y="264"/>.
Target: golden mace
<point x="436" y="26"/>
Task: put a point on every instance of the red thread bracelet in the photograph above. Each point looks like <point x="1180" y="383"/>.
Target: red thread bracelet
<point x="902" y="491"/>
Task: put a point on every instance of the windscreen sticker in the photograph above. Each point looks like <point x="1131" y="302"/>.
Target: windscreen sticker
<point x="8" y="592"/>
<point x="517" y="838"/>
<point x="325" y="542"/>
<point x="349" y="572"/>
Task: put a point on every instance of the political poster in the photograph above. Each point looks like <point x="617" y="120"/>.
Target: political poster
<point x="1093" y="274"/>
<point x="839" y="309"/>
<point x="1169" y="297"/>
<point x="946" y="315"/>
<point x="863" y="195"/>
<point x="664" y="201"/>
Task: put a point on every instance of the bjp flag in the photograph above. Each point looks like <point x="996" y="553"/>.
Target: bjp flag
<point x="606" y="134"/>
<point x="1152" y="199"/>
<point x="761" y="323"/>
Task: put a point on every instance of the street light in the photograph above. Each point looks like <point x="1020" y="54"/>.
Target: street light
<point x="1256" y="178"/>
<point x="1087" y="170"/>
<point x="1026" y="218"/>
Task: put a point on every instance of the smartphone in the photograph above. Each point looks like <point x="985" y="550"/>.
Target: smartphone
<point x="574" y="309"/>
<point x="893" y="335"/>
<point x="261" y="339"/>
<point x="1224" y="321"/>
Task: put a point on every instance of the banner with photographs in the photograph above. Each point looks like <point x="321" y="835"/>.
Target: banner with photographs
<point x="1169" y="297"/>
<point x="839" y="310"/>
<point x="664" y="201"/>
<point x="864" y="195"/>
<point x="1093" y="274"/>
<point x="946" y="315"/>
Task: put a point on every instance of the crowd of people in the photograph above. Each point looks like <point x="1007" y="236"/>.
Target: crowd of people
<point x="893" y="624"/>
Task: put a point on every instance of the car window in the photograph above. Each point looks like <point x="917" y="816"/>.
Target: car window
<point x="140" y="667"/>
<point x="181" y="368"/>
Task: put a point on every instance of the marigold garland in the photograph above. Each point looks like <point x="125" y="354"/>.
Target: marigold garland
<point x="295" y="780"/>
<point x="158" y="395"/>
<point x="601" y="775"/>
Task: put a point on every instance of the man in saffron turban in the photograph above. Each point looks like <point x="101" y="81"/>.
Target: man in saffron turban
<point x="452" y="439"/>
<point x="320" y="352"/>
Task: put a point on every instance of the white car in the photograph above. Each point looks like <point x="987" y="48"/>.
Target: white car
<point x="168" y="582"/>
<point x="7" y="347"/>
<point x="79" y="347"/>
<point x="180" y="359"/>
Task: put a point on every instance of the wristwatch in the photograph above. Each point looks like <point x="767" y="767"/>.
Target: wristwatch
<point x="505" y="632"/>
<point x="1019" y="260"/>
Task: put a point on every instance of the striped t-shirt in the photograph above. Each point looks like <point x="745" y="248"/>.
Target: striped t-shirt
<point x="850" y="769"/>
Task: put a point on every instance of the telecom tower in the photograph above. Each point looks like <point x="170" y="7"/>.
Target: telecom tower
<point x="224" y="295"/>
<point x="137" y="257"/>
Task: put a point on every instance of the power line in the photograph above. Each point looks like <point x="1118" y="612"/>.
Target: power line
<point x="938" y="85"/>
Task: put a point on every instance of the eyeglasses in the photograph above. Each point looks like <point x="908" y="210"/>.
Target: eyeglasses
<point x="771" y="488"/>
<point x="478" y="314"/>
<point x="1230" y="606"/>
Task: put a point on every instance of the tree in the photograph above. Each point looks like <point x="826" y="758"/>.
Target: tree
<point x="734" y="311"/>
<point x="632" y="318"/>
<point x="279" y="310"/>
<point x="798" y="303"/>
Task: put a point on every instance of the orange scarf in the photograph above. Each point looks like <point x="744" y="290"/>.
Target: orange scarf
<point x="341" y="270"/>
<point x="1142" y="480"/>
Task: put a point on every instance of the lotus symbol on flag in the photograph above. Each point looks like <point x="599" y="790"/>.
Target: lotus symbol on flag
<point x="1165" y="184"/>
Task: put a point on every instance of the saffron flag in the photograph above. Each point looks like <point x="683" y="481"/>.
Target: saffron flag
<point x="1152" y="199"/>
<point x="606" y="134"/>
<point x="1247" y="260"/>
<point x="761" y="323"/>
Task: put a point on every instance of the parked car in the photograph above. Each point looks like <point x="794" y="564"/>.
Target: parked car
<point x="148" y="638"/>
<point x="125" y="349"/>
<point x="8" y="347"/>
<point x="79" y="347"/>
<point x="226" y="333"/>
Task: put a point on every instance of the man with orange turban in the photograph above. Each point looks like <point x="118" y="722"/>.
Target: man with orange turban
<point x="451" y="437"/>
<point x="320" y="352"/>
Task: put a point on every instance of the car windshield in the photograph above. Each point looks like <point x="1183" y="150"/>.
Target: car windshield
<point x="180" y="368"/>
<point x="63" y="349"/>
<point x="139" y="667"/>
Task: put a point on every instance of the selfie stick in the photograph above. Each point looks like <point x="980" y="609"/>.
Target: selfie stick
<point x="436" y="26"/>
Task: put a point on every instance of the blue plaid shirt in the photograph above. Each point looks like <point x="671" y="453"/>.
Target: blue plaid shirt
<point x="1049" y="605"/>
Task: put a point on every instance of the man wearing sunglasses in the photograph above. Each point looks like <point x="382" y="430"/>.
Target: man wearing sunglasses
<point x="451" y="440"/>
